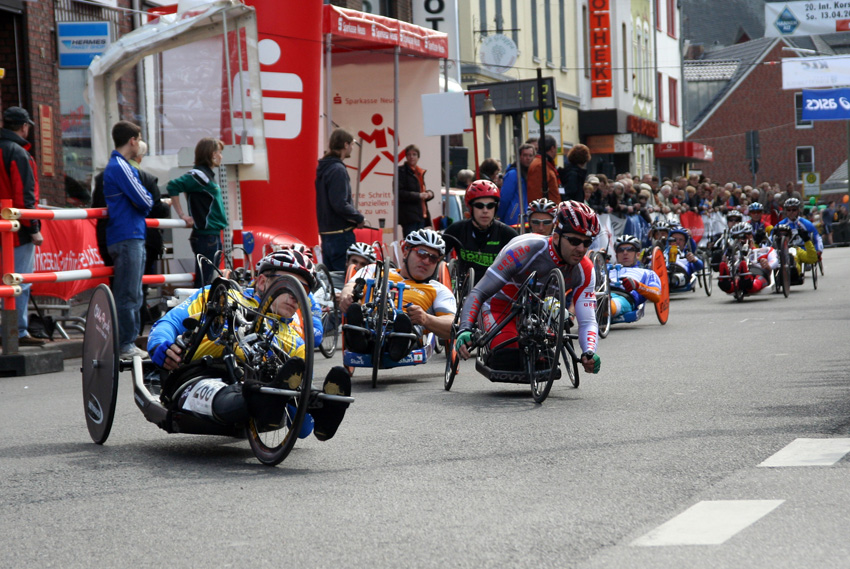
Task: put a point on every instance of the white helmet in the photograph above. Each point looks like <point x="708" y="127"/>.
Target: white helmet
<point x="362" y="249"/>
<point x="428" y="238"/>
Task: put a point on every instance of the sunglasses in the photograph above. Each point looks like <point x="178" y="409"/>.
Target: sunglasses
<point x="626" y="250"/>
<point x="575" y="242"/>
<point x="480" y="205"/>
<point x="542" y="221"/>
<point x="792" y="209"/>
<point x="426" y="256"/>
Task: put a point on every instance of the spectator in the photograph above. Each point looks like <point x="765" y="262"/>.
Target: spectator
<point x="828" y="216"/>
<point x="790" y="192"/>
<point x="413" y="196"/>
<point x="573" y="175"/>
<point x="464" y="178"/>
<point x="128" y="202"/>
<point x="206" y="216"/>
<point x="489" y="170"/>
<point x="19" y="183"/>
<point x="512" y="202"/>
<point x="334" y="210"/>
<point x="536" y="173"/>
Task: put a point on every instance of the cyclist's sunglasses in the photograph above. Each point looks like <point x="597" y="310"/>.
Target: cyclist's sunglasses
<point x="426" y="256"/>
<point x="626" y="249"/>
<point x="481" y="205"/>
<point x="545" y="222"/>
<point x="575" y="242"/>
<point x="792" y="209"/>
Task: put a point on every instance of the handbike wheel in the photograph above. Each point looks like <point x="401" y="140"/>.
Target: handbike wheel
<point x="706" y="275"/>
<point x="550" y="311"/>
<point x="452" y="357"/>
<point x="785" y="268"/>
<point x="603" y="295"/>
<point x="815" y="276"/>
<point x="381" y="298"/>
<point x="100" y="364"/>
<point x="272" y="444"/>
<point x="325" y="294"/>
<point x="570" y="363"/>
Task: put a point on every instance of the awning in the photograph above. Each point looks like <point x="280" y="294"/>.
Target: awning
<point x="353" y="30"/>
<point x="684" y="152"/>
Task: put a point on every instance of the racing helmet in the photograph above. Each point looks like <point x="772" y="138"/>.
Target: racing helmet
<point x="542" y="205"/>
<point x="290" y="261"/>
<point x="428" y="238"/>
<point x="734" y="214"/>
<point x="362" y="249"/>
<point x="743" y="229"/>
<point x="680" y="230"/>
<point x="303" y="249"/>
<point x="481" y="189"/>
<point x="576" y="217"/>
<point x="792" y="202"/>
<point x="756" y="206"/>
<point x="627" y="240"/>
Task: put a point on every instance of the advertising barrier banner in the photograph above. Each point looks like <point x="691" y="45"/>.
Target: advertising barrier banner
<point x="68" y="246"/>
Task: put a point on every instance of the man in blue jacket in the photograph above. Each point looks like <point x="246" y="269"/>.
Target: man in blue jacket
<point x="128" y="203"/>
<point x="512" y="202"/>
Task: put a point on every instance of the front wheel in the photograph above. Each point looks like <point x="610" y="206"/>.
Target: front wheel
<point x="603" y="294"/>
<point x="325" y="294"/>
<point x="272" y="443"/>
<point x="815" y="276"/>
<point x="381" y="297"/>
<point x="543" y="354"/>
<point x="452" y="357"/>
<point x="785" y="268"/>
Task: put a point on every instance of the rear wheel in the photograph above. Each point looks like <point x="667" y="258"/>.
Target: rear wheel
<point x="785" y="267"/>
<point x="603" y="294"/>
<point x="271" y="444"/>
<point x="547" y="312"/>
<point x="325" y="295"/>
<point x="570" y="362"/>
<point x="815" y="276"/>
<point x="452" y="357"/>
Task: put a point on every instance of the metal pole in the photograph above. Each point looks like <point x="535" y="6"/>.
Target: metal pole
<point x="227" y="67"/>
<point x="521" y="197"/>
<point x="474" y="135"/>
<point x="328" y="92"/>
<point x="359" y="169"/>
<point x="541" y="145"/>
<point x="395" y="144"/>
<point x="446" y="161"/>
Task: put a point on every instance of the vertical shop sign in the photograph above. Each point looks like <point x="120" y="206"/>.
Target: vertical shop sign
<point x="45" y="125"/>
<point x="600" y="49"/>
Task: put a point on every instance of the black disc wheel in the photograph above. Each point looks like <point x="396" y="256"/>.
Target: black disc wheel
<point x="545" y="325"/>
<point x="603" y="294"/>
<point x="100" y="364"/>
<point x="272" y="443"/>
<point x="325" y="295"/>
<point x="380" y="295"/>
<point x="452" y="357"/>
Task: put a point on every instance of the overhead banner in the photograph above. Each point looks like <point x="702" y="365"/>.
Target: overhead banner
<point x="783" y="19"/>
<point x="826" y="105"/>
<point x="814" y="72"/>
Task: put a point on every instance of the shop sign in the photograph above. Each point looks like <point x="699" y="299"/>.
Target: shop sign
<point x="48" y="153"/>
<point x="80" y="42"/>
<point x="600" y="49"/>
<point x="645" y="127"/>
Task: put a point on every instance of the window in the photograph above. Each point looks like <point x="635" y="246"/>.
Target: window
<point x="562" y="19"/>
<point x="659" y="84"/>
<point x="673" y="95"/>
<point x="638" y="62"/>
<point x="535" y="51"/>
<point x="805" y="160"/>
<point x="658" y="25"/>
<point x="671" y="18"/>
<point x="625" y="59"/>
<point x="798" y="112"/>
<point x="547" y="17"/>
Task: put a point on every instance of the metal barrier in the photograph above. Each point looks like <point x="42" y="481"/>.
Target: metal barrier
<point x="12" y="281"/>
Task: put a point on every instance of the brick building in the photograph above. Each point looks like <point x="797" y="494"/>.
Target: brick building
<point x="738" y="89"/>
<point x="29" y="54"/>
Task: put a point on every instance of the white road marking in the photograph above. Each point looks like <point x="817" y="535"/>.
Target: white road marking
<point x="810" y="452"/>
<point x="708" y="523"/>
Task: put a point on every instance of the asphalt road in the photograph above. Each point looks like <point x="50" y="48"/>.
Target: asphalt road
<point x="656" y="453"/>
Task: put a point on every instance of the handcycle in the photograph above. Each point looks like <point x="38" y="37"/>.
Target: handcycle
<point x="325" y="292"/>
<point x="736" y="257"/>
<point x="787" y="275"/>
<point x="538" y="308"/>
<point x="239" y="330"/>
<point x="654" y="261"/>
<point x="382" y="300"/>
<point x="602" y="291"/>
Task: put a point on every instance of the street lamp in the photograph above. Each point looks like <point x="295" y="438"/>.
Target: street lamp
<point x="487" y="107"/>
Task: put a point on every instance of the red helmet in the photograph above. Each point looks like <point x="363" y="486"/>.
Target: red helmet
<point x="481" y="189"/>
<point x="576" y="217"/>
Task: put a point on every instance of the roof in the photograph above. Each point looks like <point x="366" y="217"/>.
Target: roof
<point x="707" y="70"/>
<point x="703" y="23"/>
<point x="745" y="54"/>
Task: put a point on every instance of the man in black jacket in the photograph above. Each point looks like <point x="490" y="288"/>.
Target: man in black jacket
<point x="336" y="215"/>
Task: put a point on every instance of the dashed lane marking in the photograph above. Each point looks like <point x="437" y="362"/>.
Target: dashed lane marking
<point x="708" y="523"/>
<point x="810" y="452"/>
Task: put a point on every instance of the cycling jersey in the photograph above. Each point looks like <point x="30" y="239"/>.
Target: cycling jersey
<point x="796" y="240"/>
<point x="476" y="248"/>
<point x="289" y="337"/>
<point x="648" y="283"/>
<point x="431" y="296"/>
<point x="522" y="256"/>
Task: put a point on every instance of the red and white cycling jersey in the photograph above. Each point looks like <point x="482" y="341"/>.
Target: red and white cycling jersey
<point x="519" y="258"/>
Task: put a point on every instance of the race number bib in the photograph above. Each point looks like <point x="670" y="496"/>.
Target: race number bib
<point x="199" y="397"/>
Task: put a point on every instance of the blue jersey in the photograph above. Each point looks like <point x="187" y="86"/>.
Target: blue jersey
<point x="796" y="240"/>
